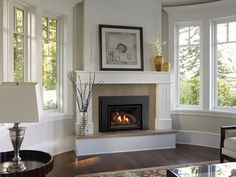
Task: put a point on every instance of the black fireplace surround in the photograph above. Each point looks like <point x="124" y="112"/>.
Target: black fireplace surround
<point x="123" y="113"/>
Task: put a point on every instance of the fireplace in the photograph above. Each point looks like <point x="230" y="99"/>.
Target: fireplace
<point x="123" y="113"/>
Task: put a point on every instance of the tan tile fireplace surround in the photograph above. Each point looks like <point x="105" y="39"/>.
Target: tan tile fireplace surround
<point x="156" y="85"/>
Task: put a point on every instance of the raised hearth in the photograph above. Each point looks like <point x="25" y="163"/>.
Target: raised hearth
<point x="137" y="140"/>
<point x="98" y="143"/>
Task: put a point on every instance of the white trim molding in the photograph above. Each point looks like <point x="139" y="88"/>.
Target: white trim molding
<point x="198" y="138"/>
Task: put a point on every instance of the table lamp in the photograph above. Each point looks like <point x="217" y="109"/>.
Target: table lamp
<point x="19" y="103"/>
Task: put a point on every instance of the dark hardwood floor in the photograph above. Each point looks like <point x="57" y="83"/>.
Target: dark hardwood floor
<point x="67" y="165"/>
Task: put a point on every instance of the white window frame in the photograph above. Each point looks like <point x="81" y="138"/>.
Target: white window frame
<point x="59" y="61"/>
<point x="33" y="60"/>
<point x="214" y="61"/>
<point x="177" y="105"/>
<point x="33" y="41"/>
<point x="10" y="70"/>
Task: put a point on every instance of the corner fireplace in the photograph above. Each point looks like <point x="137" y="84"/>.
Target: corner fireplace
<point x="123" y="113"/>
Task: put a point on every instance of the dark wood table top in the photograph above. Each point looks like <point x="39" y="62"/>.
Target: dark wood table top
<point x="38" y="163"/>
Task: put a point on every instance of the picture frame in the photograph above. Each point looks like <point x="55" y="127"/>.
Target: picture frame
<point x="121" y="48"/>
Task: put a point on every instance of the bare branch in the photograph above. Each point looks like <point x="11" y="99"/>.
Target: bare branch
<point x="83" y="90"/>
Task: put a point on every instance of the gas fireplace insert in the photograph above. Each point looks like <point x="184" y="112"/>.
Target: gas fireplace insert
<point x="123" y="113"/>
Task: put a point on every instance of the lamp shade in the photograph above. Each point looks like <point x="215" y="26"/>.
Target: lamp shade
<point x="19" y="102"/>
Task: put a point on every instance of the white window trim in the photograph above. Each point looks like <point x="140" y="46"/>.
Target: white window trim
<point x="60" y="71"/>
<point x="206" y="14"/>
<point x="25" y="44"/>
<point x="28" y="31"/>
<point x="214" y="22"/>
<point x="34" y="52"/>
<point x="177" y="105"/>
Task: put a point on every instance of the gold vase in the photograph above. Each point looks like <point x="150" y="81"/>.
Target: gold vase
<point x="166" y="67"/>
<point x="159" y="60"/>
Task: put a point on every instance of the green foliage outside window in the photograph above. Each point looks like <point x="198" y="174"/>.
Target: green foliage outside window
<point x="49" y="65"/>
<point x="49" y="58"/>
<point x="226" y="70"/>
<point x="189" y="91"/>
<point x="18" y="49"/>
<point x="189" y="66"/>
<point x="226" y="97"/>
<point x="189" y="71"/>
<point x="18" y="45"/>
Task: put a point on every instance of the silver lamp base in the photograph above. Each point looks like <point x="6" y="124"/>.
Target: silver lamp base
<point x="17" y="135"/>
<point x="16" y="167"/>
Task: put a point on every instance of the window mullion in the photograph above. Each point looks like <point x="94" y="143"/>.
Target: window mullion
<point x="51" y="40"/>
<point x="232" y="42"/>
<point x="47" y="28"/>
<point x="14" y="19"/>
<point x="227" y="32"/>
<point x="23" y="34"/>
<point x="188" y="36"/>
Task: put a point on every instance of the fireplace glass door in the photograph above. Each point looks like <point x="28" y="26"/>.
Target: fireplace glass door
<point x="125" y="117"/>
<point x="123" y="113"/>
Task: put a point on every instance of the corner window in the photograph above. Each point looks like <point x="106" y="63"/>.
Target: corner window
<point x="225" y="64"/>
<point x="188" y="62"/>
<point x="50" y="53"/>
<point x="33" y="52"/>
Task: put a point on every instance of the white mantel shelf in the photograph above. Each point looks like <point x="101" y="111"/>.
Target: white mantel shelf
<point x="128" y="77"/>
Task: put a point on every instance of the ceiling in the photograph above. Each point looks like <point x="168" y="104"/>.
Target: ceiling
<point x="169" y="3"/>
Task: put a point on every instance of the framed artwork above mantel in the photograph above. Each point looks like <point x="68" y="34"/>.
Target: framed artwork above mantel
<point x="121" y="48"/>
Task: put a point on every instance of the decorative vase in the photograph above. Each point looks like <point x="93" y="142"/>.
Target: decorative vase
<point x="166" y="67"/>
<point x="159" y="60"/>
<point x="83" y="123"/>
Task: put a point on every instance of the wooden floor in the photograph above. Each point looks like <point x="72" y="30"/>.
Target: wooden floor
<point x="67" y="165"/>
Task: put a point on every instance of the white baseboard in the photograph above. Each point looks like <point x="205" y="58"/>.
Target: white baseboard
<point x="198" y="138"/>
<point x="124" y="144"/>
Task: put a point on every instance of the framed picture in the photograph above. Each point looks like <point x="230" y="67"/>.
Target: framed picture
<point x="121" y="47"/>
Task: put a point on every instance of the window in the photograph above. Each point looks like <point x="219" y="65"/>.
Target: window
<point x="19" y="32"/>
<point x="50" y="55"/>
<point x="32" y="51"/>
<point x="188" y="70"/>
<point x="225" y="64"/>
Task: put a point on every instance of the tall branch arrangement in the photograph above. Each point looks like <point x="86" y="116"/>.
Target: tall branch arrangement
<point x="83" y="91"/>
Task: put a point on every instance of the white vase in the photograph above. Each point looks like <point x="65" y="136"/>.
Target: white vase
<point x="83" y="123"/>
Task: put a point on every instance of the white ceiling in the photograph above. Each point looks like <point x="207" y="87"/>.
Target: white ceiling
<point x="168" y="3"/>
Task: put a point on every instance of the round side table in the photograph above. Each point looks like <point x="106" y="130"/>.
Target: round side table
<point x="38" y="163"/>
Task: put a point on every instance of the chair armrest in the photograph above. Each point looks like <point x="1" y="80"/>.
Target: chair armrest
<point x="223" y="134"/>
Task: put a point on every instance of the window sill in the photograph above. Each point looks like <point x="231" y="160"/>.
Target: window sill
<point x="212" y="113"/>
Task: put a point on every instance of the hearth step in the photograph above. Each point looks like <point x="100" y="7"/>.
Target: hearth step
<point x="125" y="141"/>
